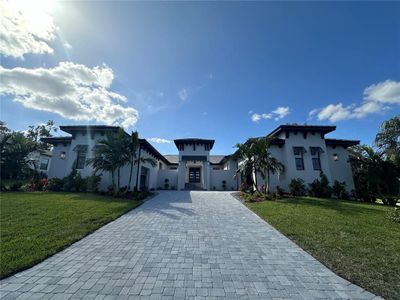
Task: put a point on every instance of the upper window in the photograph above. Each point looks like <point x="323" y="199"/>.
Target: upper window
<point x="316" y="157"/>
<point x="298" y="156"/>
<point x="81" y="151"/>
<point x="44" y="163"/>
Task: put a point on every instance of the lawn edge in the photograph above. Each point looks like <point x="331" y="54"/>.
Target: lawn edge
<point x="140" y="202"/>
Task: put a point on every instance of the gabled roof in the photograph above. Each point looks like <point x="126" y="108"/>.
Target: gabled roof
<point x="301" y="128"/>
<point x="341" y="142"/>
<point x="194" y="141"/>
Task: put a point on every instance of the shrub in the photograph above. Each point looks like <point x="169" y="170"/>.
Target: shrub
<point x="26" y="187"/>
<point x="394" y="215"/>
<point x="74" y="182"/>
<point x="297" y="187"/>
<point x="280" y="191"/>
<point x="224" y="185"/>
<point x="320" y="187"/>
<point x="172" y="187"/>
<point x="15" y="186"/>
<point x="92" y="183"/>
<point x="166" y="183"/>
<point x="339" y="190"/>
<point x="243" y="187"/>
<point x="54" y="184"/>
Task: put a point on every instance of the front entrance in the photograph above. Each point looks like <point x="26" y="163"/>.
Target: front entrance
<point x="194" y="175"/>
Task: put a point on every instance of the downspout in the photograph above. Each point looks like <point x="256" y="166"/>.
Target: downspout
<point x="138" y="167"/>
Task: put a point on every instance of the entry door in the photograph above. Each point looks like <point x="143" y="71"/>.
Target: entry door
<point x="194" y="175"/>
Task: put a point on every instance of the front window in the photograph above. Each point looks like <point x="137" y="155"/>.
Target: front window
<point x="298" y="156"/>
<point x="81" y="151"/>
<point x="316" y="157"/>
<point x="44" y="163"/>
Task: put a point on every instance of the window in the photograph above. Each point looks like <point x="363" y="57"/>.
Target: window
<point x="81" y="151"/>
<point x="298" y="156"/>
<point x="44" y="163"/>
<point x="316" y="157"/>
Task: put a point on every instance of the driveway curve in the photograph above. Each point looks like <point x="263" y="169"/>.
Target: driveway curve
<point x="182" y="245"/>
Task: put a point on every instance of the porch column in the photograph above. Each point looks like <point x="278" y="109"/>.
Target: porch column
<point x="206" y="175"/>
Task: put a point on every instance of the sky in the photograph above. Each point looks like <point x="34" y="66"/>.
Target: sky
<point x="221" y="70"/>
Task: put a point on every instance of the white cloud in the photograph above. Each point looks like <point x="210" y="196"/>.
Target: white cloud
<point x="279" y="113"/>
<point x="159" y="140"/>
<point x="183" y="94"/>
<point x="71" y="90"/>
<point x="25" y="28"/>
<point x="377" y="99"/>
<point x="67" y="45"/>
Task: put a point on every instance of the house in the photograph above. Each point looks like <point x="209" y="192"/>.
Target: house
<point x="303" y="149"/>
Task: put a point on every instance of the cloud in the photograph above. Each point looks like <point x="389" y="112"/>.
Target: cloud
<point x="67" y="45"/>
<point x="279" y="113"/>
<point x="70" y="90"/>
<point x="183" y="94"/>
<point x="24" y="29"/>
<point x="377" y="99"/>
<point x="159" y="140"/>
<point x="210" y="76"/>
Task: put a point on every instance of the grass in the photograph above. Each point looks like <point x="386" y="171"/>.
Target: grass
<point x="355" y="240"/>
<point x="34" y="226"/>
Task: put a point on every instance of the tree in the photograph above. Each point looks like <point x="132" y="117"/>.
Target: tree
<point x="246" y="167"/>
<point x="110" y="156"/>
<point x="373" y="175"/>
<point x="265" y="162"/>
<point x="388" y="140"/>
<point x="131" y="155"/>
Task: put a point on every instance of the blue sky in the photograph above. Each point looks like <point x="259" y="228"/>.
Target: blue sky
<point x="226" y="71"/>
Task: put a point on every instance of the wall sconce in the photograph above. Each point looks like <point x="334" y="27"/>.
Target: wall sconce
<point x="63" y="155"/>
<point x="335" y="157"/>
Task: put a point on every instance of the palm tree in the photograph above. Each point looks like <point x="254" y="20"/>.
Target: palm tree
<point x="246" y="163"/>
<point x="388" y="139"/>
<point x="132" y="158"/>
<point x="110" y="156"/>
<point x="266" y="163"/>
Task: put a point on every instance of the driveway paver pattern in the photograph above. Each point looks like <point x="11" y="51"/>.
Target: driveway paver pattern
<point x="182" y="245"/>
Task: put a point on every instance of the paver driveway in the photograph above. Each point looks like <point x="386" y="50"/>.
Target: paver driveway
<point x="182" y="245"/>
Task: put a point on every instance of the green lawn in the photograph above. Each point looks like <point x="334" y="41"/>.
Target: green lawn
<point x="355" y="240"/>
<point x="36" y="225"/>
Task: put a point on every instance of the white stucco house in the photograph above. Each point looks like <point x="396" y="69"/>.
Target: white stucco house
<point x="303" y="149"/>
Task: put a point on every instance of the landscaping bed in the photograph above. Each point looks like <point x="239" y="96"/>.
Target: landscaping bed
<point x="356" y="240"/>
<point x="36" y="225"/>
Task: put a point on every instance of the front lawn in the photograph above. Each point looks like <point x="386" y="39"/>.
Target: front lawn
<point x="355" y="240"/>
<point x="36" y="225"/>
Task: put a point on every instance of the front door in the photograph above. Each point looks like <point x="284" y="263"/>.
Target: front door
<point x="194" y="175"/>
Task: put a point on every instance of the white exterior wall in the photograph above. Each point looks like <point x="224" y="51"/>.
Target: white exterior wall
<point x="283" y="179"/>
<point x="340" y="169"/>
<point x="217" y="176"/>
<point x="57" y="165"/>
<point x="171" y="175"/>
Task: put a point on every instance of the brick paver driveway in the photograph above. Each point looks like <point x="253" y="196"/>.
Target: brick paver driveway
<point x="182" y="245"/>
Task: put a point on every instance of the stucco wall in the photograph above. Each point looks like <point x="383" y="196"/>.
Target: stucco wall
<point x="171" y="175"/>
<point x="340" y="169"/>
<point x="217" y="176"/>
<point x="58" y="165"/>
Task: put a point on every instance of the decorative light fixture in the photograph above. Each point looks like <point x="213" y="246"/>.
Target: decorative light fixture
<point x="62" y="155"/>
<point x="335" y="157"/>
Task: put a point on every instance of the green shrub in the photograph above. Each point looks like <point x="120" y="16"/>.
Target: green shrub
<point x="74" y="182"/>
<point x="320" y="187"/>
<point x="166" y="184"/>
<point x="26" y="187"/>
<point x="297" y="187"/>
<point x="339" y="190"/>
<point x="92" y="183"/>
<point x="394" y="215"/>
<point x="54" y="184"/>
<point x="15" y="186"/>
<point x="280" y="191"/>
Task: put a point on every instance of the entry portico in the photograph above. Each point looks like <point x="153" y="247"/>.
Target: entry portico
<point x="194" y="163"/>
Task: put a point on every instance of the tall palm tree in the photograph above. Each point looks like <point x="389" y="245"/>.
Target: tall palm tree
<point x="246" y="165"/>
<point x="110" y="156"/>
<point x="132" y="157"/>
